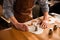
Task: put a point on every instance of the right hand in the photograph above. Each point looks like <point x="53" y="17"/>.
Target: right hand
<point x="21" y="26"/>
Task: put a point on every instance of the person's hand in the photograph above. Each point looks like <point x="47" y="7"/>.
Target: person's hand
<point x="44" y="24"/>
<point x="21" y="26"/>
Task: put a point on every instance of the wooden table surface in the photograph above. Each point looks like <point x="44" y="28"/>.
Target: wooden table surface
<point x="13" y="34"/>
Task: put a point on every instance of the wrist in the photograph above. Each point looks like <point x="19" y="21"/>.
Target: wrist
<point x="45" y="21"/>
<point x="13" y="20"/>
<point x="15" y="23"/>
<point x="45" y="18"/>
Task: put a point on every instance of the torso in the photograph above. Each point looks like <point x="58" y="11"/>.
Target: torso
<point x="23" y="6"/>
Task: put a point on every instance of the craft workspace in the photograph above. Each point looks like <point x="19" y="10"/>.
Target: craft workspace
<point x="30" y="20"/>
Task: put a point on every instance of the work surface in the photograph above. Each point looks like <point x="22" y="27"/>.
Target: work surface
<point x="13" y="34"/>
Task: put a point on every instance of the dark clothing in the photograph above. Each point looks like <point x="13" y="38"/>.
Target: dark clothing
<point x="55" y="8"/>
<point x="1" y="2"/>
<point x="22" y="7"/>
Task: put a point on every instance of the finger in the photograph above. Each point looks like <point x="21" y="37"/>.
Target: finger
<point x="26" y="29"/>
<point x="42" y="25"/>
<point x="22" y="28"/>
<point x="45" y="26"/>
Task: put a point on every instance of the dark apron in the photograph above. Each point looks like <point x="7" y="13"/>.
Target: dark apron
<point x="23" y="9"/>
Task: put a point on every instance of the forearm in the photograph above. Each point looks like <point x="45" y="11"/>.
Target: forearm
<point x="8" y="10"/>
<point x="13" y="20"/>
<point x="45" y="9"/>
<point x="45" y="16"/>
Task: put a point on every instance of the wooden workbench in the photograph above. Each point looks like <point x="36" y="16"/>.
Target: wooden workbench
<point x="13" y="34"/>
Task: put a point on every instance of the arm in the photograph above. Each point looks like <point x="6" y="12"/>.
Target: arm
<point x="45" y="8"/>
<point x="44" y="5"/>
<point x="8" y="13"/>
<point x="8" y="10"/>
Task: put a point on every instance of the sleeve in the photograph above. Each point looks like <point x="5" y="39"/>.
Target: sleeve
<point x="8" y="8"/>
<point x="44" y="5"/>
